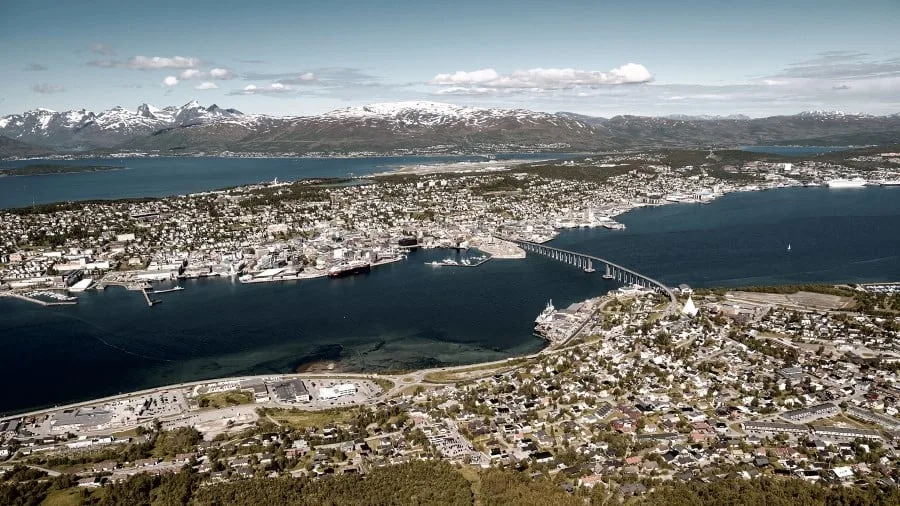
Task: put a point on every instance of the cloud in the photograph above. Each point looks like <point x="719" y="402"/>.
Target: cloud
<point x="304" y="78"/>
<point x="544" y="79"/>
<point x="215" y="73"/>
<point x="460" y="77"/>
<point x="208" y="85"/>
<point x="326" y="77"/>
<point x="160" y="62"/>
<point x="220" y="73"/>
<point x="841" y="65"/>
<point x="107" y="63"/>
<point x="170" y="81"/>
<point x="192" y="74"/>
<point x="35" y="67"/>
<point x="272" y="89"/>
<point x="48" y="88"/>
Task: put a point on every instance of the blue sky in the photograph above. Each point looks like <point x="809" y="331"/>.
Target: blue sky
<point x="647" y="57"/>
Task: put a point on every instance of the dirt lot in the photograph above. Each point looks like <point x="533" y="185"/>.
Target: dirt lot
<point x="807" y="300"/>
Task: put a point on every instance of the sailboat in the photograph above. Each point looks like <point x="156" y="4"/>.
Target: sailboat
<point x="789" y="246"/>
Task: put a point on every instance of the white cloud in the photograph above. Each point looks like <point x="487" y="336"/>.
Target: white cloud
<point x="462" y="77"/>
<point x="170" y="81"/>
<point x="272" y="89"/>
<point x="220" y="73"/>
<point x="208" y="85"/>
<point x="160" y="62"/>
<point x="191" y="74"/>
<point x="545" y="79"/>
<point x="215" y="74"/>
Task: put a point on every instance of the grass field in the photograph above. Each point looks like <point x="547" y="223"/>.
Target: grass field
<point x="224" y="399"/>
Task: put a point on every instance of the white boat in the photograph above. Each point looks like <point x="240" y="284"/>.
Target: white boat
<point x="545" y="314"/>
<point x="856" y="182"/>
<point x="789" y="246"/>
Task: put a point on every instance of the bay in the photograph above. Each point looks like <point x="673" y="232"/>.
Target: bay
<point x="165" y="176"/>
<point x="410" y="315"/>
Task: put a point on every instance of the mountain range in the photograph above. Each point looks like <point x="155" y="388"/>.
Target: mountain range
<point x="413" y="126"/>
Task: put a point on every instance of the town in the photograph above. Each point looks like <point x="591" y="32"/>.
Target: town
<point x="282" y="231"/>
<point x="633" y="390"/>
<point x="637" y="390"/>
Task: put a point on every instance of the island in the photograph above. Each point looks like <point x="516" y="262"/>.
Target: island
<point x="45" y="169"/>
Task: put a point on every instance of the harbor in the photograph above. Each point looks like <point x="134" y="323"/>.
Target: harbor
<point x="464" y="262"/>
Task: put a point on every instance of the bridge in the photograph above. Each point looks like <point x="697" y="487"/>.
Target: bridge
<point x="587" y="263"/>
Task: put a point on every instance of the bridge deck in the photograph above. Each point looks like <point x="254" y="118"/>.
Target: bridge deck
<point x="536" y="248"/>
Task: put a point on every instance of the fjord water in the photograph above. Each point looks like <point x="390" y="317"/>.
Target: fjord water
<point x="411" y="315"/>
<point x="164" y="176"/>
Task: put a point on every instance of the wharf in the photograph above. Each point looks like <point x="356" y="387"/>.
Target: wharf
<point x="458" y="264"/>
<point x="170" y="290"/>
<point x="150" y="302"/>
<point x="388" y="261"/>
<point x="37" y="301"/>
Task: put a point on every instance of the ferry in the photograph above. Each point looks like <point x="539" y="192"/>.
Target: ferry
<point x="349" y="269"/>
<point x="856" y="182"/>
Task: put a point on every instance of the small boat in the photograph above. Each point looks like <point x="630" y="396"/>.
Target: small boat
<point x="789" y="246"/>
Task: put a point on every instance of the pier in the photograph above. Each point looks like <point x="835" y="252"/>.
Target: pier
<point x="587" y="262"/>
<point x="150" y="302"/>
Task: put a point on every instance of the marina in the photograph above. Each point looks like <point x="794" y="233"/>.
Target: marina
<point x="464" y="262"/>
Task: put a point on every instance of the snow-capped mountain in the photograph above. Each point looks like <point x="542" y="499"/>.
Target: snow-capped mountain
<point x="434" y="114"/>
<point x="83" y="129"/>
<point x="421" y="126"/>
<point x="379" y="128"/>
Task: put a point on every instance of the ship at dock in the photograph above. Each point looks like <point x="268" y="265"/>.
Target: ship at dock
<point x="349" y="269"/>
<point x="856" y="182"/>
<point x="546" y="314"/>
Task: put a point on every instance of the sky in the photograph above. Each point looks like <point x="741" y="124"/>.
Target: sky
<point x="602" y="58"/>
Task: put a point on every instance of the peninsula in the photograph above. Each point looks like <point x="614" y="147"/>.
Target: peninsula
<point x="41" y="169"/>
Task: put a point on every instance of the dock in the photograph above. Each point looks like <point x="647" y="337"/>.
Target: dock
<point x="150" y="302"/>
<point x="170" y="290"/>
<point x="37" y="301"/>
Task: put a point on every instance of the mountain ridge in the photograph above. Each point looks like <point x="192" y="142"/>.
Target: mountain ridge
<point x="419" y="125"/>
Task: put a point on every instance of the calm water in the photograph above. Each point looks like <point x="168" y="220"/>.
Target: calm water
<point x="410" y="315"/>
<point x="159" y="177"/>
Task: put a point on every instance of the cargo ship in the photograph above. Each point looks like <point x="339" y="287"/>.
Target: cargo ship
<point x="349" y="269"/>
<point x="856" y="182"/>
<point x="546" y="315"/>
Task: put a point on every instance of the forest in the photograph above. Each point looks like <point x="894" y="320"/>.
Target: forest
<point x="426" y="483"/>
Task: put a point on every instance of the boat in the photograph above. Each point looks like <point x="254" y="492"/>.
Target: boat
<point x="856" y="182"/>
<point x="789" y="246"/>
<point x="545" y="314"/>
<point x="349" y="269"/>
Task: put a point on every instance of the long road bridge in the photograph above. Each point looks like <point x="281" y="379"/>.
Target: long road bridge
<point x="587" y="262"/>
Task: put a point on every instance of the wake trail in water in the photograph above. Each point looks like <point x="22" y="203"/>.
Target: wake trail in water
<point x="110" y="345"/>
